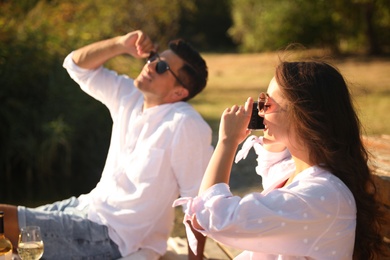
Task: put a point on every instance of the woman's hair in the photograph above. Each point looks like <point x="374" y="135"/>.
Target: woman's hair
<point x="194" y="69"/>
<point x="321" y="111"/>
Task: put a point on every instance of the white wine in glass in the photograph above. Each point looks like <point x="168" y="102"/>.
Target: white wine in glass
<point x="30" y="245"/>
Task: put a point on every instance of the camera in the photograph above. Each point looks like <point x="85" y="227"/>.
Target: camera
<point x="256" y="121"/>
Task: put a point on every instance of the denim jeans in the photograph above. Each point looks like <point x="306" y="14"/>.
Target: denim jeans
<point x="67" y="233"/>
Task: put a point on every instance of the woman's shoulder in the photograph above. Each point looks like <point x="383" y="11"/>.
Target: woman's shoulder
<point x="326" y="187"/>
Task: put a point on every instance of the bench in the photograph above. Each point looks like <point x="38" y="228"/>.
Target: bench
<point x="178" y="249"/>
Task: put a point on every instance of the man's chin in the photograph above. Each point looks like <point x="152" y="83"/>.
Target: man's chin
<point x="137" y="83"/>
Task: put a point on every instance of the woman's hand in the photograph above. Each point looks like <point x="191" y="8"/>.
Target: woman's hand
<point x="233" y="129"/>
<point x="234" y="123"/>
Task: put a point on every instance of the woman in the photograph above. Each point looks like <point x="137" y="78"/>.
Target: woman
<point x="318" y="198"/>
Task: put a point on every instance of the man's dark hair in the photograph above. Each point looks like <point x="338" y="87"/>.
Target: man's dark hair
<point x="194" y="69"/>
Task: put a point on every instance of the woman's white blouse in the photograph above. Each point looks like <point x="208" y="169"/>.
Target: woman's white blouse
<point x="314" y="217"/>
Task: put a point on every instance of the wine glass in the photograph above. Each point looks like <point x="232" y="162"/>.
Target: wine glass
<point x="30" y="244"/>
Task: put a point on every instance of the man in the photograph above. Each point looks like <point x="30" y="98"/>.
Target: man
<point x="160" y="147"/>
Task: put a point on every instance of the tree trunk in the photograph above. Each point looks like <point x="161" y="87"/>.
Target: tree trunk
<point x="372" y="39"/>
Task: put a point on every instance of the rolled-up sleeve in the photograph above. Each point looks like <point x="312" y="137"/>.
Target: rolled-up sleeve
<point x="102" y="84"/>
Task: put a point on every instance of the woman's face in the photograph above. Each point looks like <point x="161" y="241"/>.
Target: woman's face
<point x="276" y="130"/>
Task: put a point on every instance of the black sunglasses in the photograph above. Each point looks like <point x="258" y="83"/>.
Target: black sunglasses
<point x="162" y="66"/>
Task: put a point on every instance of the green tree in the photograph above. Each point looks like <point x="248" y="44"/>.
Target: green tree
<point x="206" y="24"/>
<point x="52" y="134"/>
<point x="346" y="25"/>
<point x="54" y="138"/>
<point x="364" y="24"/>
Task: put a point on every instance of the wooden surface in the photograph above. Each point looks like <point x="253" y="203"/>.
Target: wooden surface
<point x="379" y="147"/>
<point x="177" y="250"/>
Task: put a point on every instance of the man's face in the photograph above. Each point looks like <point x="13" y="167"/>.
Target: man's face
<point x="161" y="88"/>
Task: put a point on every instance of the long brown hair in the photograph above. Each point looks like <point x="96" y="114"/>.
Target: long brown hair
<point x="321" y="110"/>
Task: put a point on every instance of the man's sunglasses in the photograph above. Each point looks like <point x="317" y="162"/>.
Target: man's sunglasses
<point x="162" y="66"/>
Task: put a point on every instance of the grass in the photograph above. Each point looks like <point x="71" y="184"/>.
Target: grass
<point x="234" y="77"/>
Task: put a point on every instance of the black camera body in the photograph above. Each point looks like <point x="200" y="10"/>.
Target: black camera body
<point x="256" y="122"/>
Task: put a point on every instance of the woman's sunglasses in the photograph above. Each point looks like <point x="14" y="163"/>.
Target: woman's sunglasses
<point x="262" y="101"/>
<point x="264" y="104"/>
<point x="162" y="66"/>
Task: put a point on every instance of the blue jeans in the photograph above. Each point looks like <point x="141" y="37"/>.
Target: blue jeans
<point x="67" y="233"/>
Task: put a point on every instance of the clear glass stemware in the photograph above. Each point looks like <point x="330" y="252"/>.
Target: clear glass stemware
<point x="30" y="244"/>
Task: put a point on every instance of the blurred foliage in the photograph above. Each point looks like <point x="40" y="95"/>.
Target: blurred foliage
<point x="54" y="138"/>
<point x="207" y="25"/>
<point x="340" y="25"/>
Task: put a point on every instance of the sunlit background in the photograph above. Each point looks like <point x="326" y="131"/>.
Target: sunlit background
<point x="54" y="138"/>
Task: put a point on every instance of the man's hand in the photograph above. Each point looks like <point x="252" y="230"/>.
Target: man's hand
<point x="94" y="55"/>
<point x="137" y="44"/>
